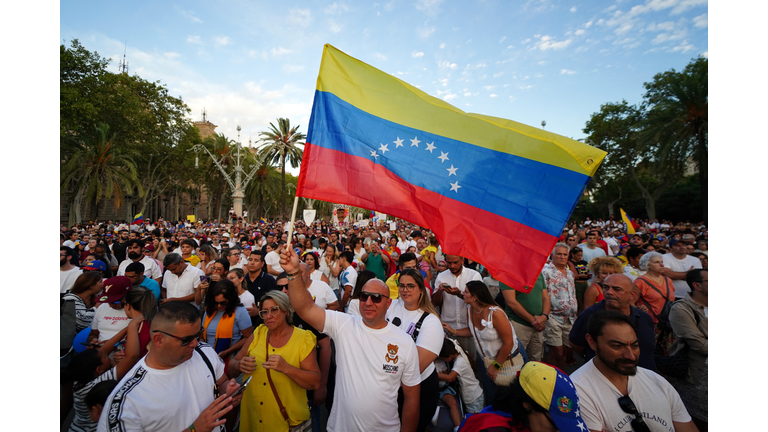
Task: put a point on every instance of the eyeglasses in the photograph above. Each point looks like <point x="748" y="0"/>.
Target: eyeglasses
<point x="406" y="287"/>
<point x="375" y="297"/>
<point x="224" y="303"/>
<point x="274" y="311"/>
<point x="282" y="287"/>
<point x="638" y="425"/>
<point x="186" y="340"/>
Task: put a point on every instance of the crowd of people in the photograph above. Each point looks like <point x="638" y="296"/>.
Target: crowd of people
<point x="241" y="326"/>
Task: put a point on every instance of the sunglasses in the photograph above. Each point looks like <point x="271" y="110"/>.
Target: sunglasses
<point x="224" y="303"/>
<point x="638" y="425"/>
<point x="282" y="287"/>
<point x="274" y="310"/>
<point x="186" y="340"/>
<point x="375" y="297"/>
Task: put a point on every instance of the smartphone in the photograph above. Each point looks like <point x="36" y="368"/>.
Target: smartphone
<point x="445" y="286"/>
<point x="240" y="389"/>
<point x="203" y="278"/>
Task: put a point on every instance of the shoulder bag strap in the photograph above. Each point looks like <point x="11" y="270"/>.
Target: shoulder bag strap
<point x="474" y="331"/>
<point x="418" y="326"/>
<point x="666" y="281"/>
<point x="272" y="386"/>
<point x="210" y="367"/>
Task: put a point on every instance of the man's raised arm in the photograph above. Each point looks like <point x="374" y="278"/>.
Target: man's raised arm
<point x="301" y="299"/>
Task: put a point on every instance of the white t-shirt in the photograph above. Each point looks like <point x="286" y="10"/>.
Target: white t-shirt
<point x="109" y="321"/>
<point x="653" y="396"/>
<point x="143" y="399"/>
<point x="322" y="293"/>
<point x="430" y="335"/>
<point x="348" y="276"/>
<point x="353" y="307"/>
<point x="683" y="265"/>
<point x="468" y="383"/>
<point x="247" y="299"/>
<point x="67" y="279"/>
<point x="272" y="260"/>
<point x="611" y="242"/>
<point x="454" y="309"/>
<point x="591" y="253"/>
<point x="182" y="286"/>
<point x="151" y="270"/>
<point x="371" y="366"/>
<point x="69" y="244"/>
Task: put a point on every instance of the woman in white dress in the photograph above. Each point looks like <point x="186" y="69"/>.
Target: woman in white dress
<point x="313" y="261"/>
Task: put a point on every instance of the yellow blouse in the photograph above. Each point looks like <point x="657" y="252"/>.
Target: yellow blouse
<point x="259" y="410"/>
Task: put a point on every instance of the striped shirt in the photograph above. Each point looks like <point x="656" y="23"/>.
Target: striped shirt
<point x="82" y="421"/>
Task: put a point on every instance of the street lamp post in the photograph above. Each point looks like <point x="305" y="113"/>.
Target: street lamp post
<point x="238" y="184"/>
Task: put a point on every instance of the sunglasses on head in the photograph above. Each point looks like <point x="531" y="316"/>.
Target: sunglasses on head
<point x="628" y="406"/>
<point x="274" y="310"/>
<point x="186" y="340"/>
<point x="375" y="297"/>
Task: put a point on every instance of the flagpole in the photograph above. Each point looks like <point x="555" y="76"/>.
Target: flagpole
<point x="293" y="219"/>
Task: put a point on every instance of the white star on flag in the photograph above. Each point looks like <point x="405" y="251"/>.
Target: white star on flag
<point x="415" y="142"/>
<point x="443" y="157"/>
<point x="398" y="142"/>
<point x="374" y="154"/>
<point x="431" y="146"/>
<point x="451" y="170"/>
<point x="383" y="148"/>
<point x="581" y="426"/>
<point x="455" y="186"/>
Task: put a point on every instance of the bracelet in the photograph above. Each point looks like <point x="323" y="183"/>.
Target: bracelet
<point x="192" y="427"/>
<point x="496" y="364"/>
<point x="545" y="315"/>
<point x="292" y="276"/>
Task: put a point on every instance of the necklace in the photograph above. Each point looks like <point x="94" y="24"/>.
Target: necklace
<point x="477" y="312"/>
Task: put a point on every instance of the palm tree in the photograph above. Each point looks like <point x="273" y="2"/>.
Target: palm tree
<point x="263" y="188"/>
<point x="678" y="116"/>
<point x="99" y="169"/>
<point x="282" y="144"/>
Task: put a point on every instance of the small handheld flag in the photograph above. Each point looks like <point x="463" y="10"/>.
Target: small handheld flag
<point x="139" y="218"/>
<point x="627" y="220"/>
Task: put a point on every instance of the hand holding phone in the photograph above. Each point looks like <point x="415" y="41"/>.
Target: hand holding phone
<point x="240" y="389"/>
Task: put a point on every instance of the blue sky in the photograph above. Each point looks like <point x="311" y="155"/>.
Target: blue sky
<point x="248" y="63"/>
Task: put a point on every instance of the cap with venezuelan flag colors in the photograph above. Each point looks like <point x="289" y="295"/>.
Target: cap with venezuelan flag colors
<point x="554" y="391"/>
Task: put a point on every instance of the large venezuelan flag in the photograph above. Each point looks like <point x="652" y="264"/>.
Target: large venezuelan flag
<point x="627" y="220"/>
<point x="493" y="190"/>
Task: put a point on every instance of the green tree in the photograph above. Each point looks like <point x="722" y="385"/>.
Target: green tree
<point x="653" y="167"/>
<point x="98" y="169"/>
<point x="677" y="104"/>
<point x="281" y="145"/>
<point x="219" y="146"/>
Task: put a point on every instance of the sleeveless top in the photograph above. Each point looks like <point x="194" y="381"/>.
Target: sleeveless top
<point x="488" y="338"/>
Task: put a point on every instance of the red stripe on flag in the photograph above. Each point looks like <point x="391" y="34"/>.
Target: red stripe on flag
<point x="335" y="176"/>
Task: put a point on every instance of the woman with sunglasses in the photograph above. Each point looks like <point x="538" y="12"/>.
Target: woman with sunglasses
<point x="226" y="322"/>
<point x="283" y="355"/>
<point x="354" y="299"/>
<point x="491" y="330"/>
<point x="313" y="262"/>
<point x="414" y="313"/>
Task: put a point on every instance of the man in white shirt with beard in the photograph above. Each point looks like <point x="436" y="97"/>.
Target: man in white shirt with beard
<point x="449" y="291"/>
<point x="135" y="254"/>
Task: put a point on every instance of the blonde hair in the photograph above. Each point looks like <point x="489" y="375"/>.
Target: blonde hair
<point x="613" y="265"/>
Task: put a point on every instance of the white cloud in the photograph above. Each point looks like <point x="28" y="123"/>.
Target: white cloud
<point x="333" y="27"/>
<point x="426" y="32"/>
<point x="541" y="63"/>
<point x="684" y="47"/>
<point x="566" y="72"/>
<point x="481" y="65"/>
<point x="467" y="93"/>
<point x="498" y="74"/>
<point x="665" y="26"/>
<point x="171" y="55"/>
<point x="443" y="82"/>
<point x="292" y="68"/>
<point x="664" y="37"/>
<point x="525" y="87"/>
<point x="548" y="43"/>
<point x="220" y="41"/>
<point x="580" y="32"/>
<point x="300" y="17"/>
<point x="502" y="39"/>
<point x="489" y="87"/>
<point x="573" y="9"/>
<point x="279" y="51"/>
<point x="449" y="97"/>
<point x="701" y="21"/>
<point x="273" y="94"/>
<point x="512" y="98"/>
<point x="588" y="25"/>
<point x="336" y="7"/>
<point x="442" y="45"/>
<point x="191" y="16"/>
<point x="705" y="54"/>
<point x="417" y="54"/>
<point x="430" y="7"/>
<point x="493" y="95"/>
<point x="195" y="40"/>
<point x="380" y="56"/>
<point x="447" y="64"/>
